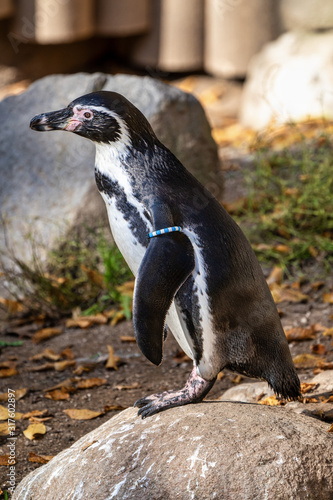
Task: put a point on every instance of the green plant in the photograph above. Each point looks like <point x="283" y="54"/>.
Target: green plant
<point x="288" y="215"/>
<point x="80" y="273"/>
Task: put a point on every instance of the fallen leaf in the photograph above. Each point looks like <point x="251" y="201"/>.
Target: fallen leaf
<point x="67" y="384"/>
<point x="38" y="420"/>
<point x="310" y="400"/>
<point x="8" y="372"/>
<point x="45" y="333"/>
<point x="127" y="387"/>
<point x="57" y="395"/>
<point x="275" y="276"/>
<point x="328" y="430"/>
<point x="220" y="376"/>
<point x="328" y="297"/>
<point x="282" y="249"/>
<point x="34" y="413"/>
<point x="88" y="367"/>
<point x="119" y="316"/>
<point x="286" y="293"/>
<point x="329" y="400"/>
<point x="5" y="414"/>
<point x="12" y="306"/>
<point x="60" y="366"/>
<point x="237" y="379"/>
<point x="127" y="338"/>
<point x="34" y="430"/>
<point x="93" y="275"/>
<point x="328" y="332"/>
<point x="318" y="349"/>
<point x="299" y="333"/>
<point x="78" y="323"/>
<point x="42" y="368"/>
<point x="39" y="459"/>
<point x="86" y="321"/>
<point x="114" y="407"/>
<point x="4" y="460"/>
<point x="305" y="387"/>
<point x="19" y="394"/>
<point x="317" y="284"/>
<point x="112" y="359"/>
<point x="271" y="401"/>
<point x="306" y="360"/>
<point x="67" y="353"/>
<point x="322" y="365"/>
<point x="126" y="288"/>
<point x="91" y="382"/>
<point x="83" y="414"/>
<point x="4" y="429"/>
<point x="47" y="354"/>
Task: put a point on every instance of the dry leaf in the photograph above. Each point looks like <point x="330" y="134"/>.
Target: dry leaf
<point x="127" y="387"/>
<point x="4" y="460"/>
<point x="127" y="338"/>
<point x="45" y="333"/>
<point x="65" y="384"/>
<point x="328" y="332"/>
<point x="300" y="333"/>
<point x="114" y="407"/>
<point x="57" y="395"/>
<point x="220" y="376"/>
<point x="317" y="284"/>
<point x="305" y="387"/>
<point x="328" y="430"/>
<point x="329" y="400"/>
<point x="90" y="382"/>
<point x="19" y="394"/>
<point x="112" y="359"/>
<point x="47" y="354"/>
<point x="4" y="429"/>
<point x="12" y="306"/>
<point x="237" y="379"/>
<point x="318" y="349"/>
<point x="42" y="368"/>
<point x="8" y="372"/>
<point x="67" y="353"/>
<point x="306" y="360"/>
<point x="86" y="321"/>
<point x="283" y="292"/>
<point x="275" y="276"/>
<point x="84" y="414"/>
<point x="322" y="365"/>
<point x="39" y="459"/>
<point x="271" y="401"/>
<point x="60" y="366"/>
<point x="310" y="400"/>
<point x="328" y="297"/>
<point x="5" y="414"/>
<point x="88" y="367"/>
<point x="119" y="316"/>
<point x="34" y="413"/>
<point x="34" y="430"/>
<point x="78" y="323"/>
<point x="93" y="275"/>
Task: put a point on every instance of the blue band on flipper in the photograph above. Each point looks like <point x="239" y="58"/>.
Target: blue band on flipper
<point x="164" y="231"/>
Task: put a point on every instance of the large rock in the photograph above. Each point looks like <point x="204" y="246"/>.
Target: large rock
<point x="307" y="14"/>
<point x="210" y="450"/>
<point x="47" y="179"/>
<point x="290" y="79"/>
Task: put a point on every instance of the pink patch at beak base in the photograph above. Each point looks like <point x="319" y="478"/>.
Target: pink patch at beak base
<point x="72" y="125"/>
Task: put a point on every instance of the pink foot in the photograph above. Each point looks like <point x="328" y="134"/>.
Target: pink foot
<point x="195" y="390"/>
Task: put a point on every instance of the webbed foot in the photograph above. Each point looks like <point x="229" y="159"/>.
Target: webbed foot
<point x="195" y="390"/>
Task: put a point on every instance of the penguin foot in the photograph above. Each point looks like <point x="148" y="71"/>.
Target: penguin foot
<point x="195" y="390"/>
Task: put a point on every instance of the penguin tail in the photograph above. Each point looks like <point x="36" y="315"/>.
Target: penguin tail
<point x="285" y="384"/>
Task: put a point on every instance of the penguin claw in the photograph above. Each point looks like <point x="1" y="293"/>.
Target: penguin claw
<point x="194" y="391"/>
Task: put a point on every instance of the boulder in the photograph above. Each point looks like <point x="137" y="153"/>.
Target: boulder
<point x="307" y="14"/>
<point x="291" y="79"/>
<point x="48" y="184"/>
<point x="204" y="451"/>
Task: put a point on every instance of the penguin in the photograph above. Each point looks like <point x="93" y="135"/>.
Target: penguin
<point x="195" y="270"/>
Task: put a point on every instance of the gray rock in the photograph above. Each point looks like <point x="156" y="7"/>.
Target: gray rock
<point x="289" y="80"/>
<point x="307" y="14"/>
<point x="48" y="184"/>
<point x="249" y="392"/>
<point x="205" y="451"/>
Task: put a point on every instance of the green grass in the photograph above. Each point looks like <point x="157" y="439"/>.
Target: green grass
<point x="82" y="274"/>
<point x="288" y="215"/>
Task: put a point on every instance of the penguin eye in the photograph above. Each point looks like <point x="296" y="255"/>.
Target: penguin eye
<point x="88" y="114"/>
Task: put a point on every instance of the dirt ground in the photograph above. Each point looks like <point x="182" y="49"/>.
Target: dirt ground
<point x="134" y="378"/>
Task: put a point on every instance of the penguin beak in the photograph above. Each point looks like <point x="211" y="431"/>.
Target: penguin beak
<point x="55" y="120"/>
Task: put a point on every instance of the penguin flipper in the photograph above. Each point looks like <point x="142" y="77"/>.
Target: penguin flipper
<point x="167" y="263"/>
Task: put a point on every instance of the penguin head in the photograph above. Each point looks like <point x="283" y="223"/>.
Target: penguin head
<point x="102" y="117"/>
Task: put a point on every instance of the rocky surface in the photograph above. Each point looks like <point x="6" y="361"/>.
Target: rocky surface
<point x="48" y="184"/>
<point x="210" y="450"/>
<point x="289" y="80"/>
